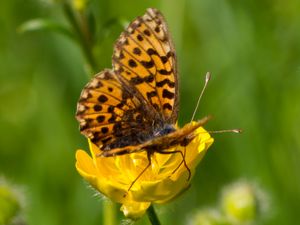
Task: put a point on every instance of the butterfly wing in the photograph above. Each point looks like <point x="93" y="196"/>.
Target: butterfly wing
<point x="109" y="114"/>
<point x="127" y="105"/>
<point x="144" y="58"/>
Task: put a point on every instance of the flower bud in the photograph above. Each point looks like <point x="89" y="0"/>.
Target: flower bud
<point x="208" y="217"/>
<point x="9" y="204"/>
<point x="240" y="202"/>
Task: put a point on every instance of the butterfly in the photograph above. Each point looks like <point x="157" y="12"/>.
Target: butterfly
<point x="134" y="106"/>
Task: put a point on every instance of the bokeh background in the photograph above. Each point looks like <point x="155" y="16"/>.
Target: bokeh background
<point x="252" y="49"/>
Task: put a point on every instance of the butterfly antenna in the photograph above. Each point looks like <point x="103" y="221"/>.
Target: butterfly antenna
<point x="237" y="131"/>
<point x="207" y="78"/>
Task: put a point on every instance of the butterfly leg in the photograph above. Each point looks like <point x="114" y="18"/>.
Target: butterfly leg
<point x="183" y="161"/>
<point x="143" y="171"/>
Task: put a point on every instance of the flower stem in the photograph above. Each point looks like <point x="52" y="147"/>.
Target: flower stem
<point x="82" y="31"/>
<point x="109" y="211"/>
<point x="152" y="216"/>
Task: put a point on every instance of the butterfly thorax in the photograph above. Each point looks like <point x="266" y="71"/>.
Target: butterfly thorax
<point x="166" y="129"/>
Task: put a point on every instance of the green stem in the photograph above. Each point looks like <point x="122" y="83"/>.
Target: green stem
<point x="82" y="31"/>
<point x="153" y="216"/>
<point x="109" y="211"/>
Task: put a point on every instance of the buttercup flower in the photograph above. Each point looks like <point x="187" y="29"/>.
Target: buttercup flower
<point x="160" y="183"/>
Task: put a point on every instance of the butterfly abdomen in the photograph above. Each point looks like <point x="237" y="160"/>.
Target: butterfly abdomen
<point x="139" y="137"/>
<point x="128" y="140"/>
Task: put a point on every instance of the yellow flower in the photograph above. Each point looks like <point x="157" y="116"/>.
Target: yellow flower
<point x="112" y="176"/>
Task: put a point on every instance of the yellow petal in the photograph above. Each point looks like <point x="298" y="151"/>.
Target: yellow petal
<point x="159" y="191"/>
<point x="84" y="163"/>
<point x="87" y="169"/>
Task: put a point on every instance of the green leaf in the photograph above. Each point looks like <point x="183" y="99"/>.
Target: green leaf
<point x="40" y="24"/>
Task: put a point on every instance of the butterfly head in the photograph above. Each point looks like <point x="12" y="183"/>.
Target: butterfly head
<point x="166" y="129"/>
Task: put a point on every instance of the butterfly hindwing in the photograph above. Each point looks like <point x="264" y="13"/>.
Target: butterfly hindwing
<point x="108" y="113"/>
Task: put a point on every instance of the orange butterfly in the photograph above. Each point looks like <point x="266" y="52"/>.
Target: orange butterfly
<point x="134" y="106"/>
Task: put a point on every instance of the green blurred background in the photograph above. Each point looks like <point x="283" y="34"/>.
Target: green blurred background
<point x="252" y="49"/>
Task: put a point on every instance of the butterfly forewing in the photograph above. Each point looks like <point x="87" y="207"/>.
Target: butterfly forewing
<point x="145" y="58"/>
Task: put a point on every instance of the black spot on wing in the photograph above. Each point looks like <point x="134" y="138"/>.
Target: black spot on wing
<point x="151" y="94"/>
<point x="132" y="63"/>
<point x="152" y="51"/>
<point x="100" y="118"/>
<point x="110" y="109"/>
<point x="102" y="98"/>
<point x="149" y="78"/>
<point x="167" y="106"/>
<point x="137" y="51"/>
<point x="97" y="108"/>
<point x="165" y="72"/>
<point x="139" y="37"/>
<point x="104" y="130"/>
<point x="164" y="82"/>
<point x="148" y="64"/>
<point x="168" y="94"/>
<point x="147" y="32"/>
<point x="136" y="80"/>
